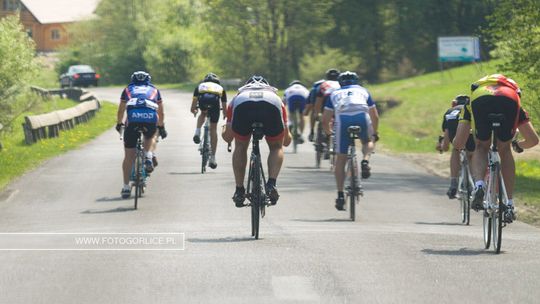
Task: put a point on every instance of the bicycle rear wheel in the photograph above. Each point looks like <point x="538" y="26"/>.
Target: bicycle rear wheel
<point x="352" y="191"/>
<point x="497" y="218"/>
<point x="255" y="197"/>
<point x="205" y="151"/>
<point x="487" y="229"/>
<point x="318" y="146"/>
<point x="138" y="178"/>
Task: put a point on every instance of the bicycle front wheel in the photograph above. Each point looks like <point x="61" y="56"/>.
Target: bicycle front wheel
<point x="255" y="198"/>
<point x="138" y="178"/>
<point x="487" y="229"/>
<point x="497" y="218"/>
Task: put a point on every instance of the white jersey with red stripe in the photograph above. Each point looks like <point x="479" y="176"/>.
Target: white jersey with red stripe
<point x="256" y="94"/>
<point x="326" y="88"/>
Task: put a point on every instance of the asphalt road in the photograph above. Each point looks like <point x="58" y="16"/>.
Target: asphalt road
<point x="407" y="245"/>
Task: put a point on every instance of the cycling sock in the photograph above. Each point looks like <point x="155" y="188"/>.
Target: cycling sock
<point x="149" y="154"/>
<point x="510" y="202"/>
<point x="453" y="182"/>
<point x="198" y="131"/>
<point x="340" y="194"/>
<point x="240" y="189"/>
<point x="271" y="182"/>
<point x="126" y="186"/>
<point x="479" y="184"/>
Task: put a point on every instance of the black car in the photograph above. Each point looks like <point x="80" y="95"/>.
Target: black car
<point x="79" y="76"/>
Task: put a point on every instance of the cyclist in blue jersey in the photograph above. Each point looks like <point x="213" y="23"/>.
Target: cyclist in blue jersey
<point x="308" y="110"/>
<point x="350" y="105"/>
<point x="144" y="106"/>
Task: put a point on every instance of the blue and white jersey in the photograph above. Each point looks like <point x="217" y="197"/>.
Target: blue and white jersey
<point x="349" y="100"/>
<point x="142" y="102"/>
<point x="296" y="92"/>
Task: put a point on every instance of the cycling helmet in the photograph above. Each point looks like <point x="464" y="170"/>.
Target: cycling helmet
<point x="256" y="79"/>
<point x="295" y="82"/>
<point x="211" y="77"/>
<point x="332" y="74"/>
<point x="140" y="77"/>
<point x="347" y="78"/>
<point x="462" y="99"/>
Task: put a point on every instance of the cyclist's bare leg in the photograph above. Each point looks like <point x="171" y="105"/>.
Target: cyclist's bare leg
<point x="301" y="123"/>
<point x="201" y="118"/>
<point x="275" y="158"/>
<point x="455" y="163"/>
<point x="129" y="158"/>
<point x="213" y="136"/>
<point x="480" y="159"/>
<point x="148" y="144"/>
<point x="240" y="160"/>
<point x="367" y="149"/>
<point x="508" y="167"/>
<point x="339" y="170"/>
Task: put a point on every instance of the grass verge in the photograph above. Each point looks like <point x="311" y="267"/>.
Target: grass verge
<point x="17" y="157"/>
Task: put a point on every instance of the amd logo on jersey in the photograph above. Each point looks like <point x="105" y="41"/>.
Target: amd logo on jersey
<point x="145" y="116"/>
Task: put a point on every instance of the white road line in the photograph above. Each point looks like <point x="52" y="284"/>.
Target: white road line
<point x="295" y="288"/>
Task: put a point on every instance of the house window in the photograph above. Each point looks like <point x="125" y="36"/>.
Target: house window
<point x="55" y="34"/>
<point x="29" y="32"/>
<point x="11" y="5"/>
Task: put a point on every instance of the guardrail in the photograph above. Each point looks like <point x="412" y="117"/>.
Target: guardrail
<point x="37" y="127"/>
<point x="76" y="94"/>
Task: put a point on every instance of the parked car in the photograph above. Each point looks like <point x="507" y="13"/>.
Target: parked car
<point x="79" y="76"/>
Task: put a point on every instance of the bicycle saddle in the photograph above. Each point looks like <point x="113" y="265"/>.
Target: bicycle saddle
<point x="257" y="128"/>
<point x="353" y="129"/>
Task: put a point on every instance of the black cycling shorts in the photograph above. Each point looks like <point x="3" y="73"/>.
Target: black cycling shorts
<point x="469" y="146"/>
<point x="249" y="112"/>
<point x="210" y="102"/>
<point x="484" y="105"/>
<point x="130" y="133"/>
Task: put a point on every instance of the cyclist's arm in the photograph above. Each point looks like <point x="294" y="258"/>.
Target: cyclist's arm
<point x="227" y="133"/>
<point x="445" y="144"/>
<point x="121" y="111"/>
<point x="224" y="103"/>
<point x="161" y="115"/>
<point x="318" y="104"/>
<point x="194" y="100"/>
<point x="530" y="137"/>
<point x="374" y="115"/>
<point x="307" y="109"/>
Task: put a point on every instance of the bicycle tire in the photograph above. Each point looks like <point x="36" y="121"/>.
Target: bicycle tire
<point x="497" y="216"/>
<point x="487" y="229"/>
<point x="205" y="151"/>
<point x="138" y="178"/>
<point x="318" y="146"/>
<point x="352" y="190"/>
<point x="255" y="197"/>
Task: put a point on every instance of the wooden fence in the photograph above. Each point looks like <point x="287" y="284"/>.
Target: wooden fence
<point x="37" y="127"/>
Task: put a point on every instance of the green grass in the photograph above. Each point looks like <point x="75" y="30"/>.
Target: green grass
<point x="528" y="191"/>
<point x="415" y="124"/>
<point x="17" y="157"/>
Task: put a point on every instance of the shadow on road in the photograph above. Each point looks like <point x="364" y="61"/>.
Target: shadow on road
<point x="322" y="220"/>
<point x="458" y="252"/>
<point x="220" y="240"/>
<point x="119" y="209"/>
<point x="110" y="199"/>
<point x="440" y="224"/>
<point x="185" y="173"/>
<point x="305" y="167"/>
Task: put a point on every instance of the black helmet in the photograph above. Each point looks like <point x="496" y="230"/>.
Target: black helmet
<point x="256" y="79"/>
<point x="140" y="77"/>
<point x="332" y="74"/>
<point x="211" y="77"/>
<point x="462" y="99"/>
<point x="295" y="82"/>
<point x="347" y="78"/>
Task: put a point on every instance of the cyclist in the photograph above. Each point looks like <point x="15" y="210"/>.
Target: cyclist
<point x="325" y="89"/>
<point x="449" y="128"/>
<point x="144" y="106"/>
<point x="350" y="105"/>
<point x="207" y="96"/>
<point x="295" y="97"/>
<point x="309" y="108"/>
<point x="256" y="101"/>
<point x="495" y="94"/>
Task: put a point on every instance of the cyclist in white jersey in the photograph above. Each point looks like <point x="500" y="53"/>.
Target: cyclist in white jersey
<point x="256" y="101"/>
<point x="350" y="105"/>
<point x="295" y="97"/>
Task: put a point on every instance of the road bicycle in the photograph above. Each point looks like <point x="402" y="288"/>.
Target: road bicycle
<point x="204" y="147"/>
<point x="465" y="186"/>
<point x="354" y="188"/>
<point x="496" y="198"/>
<point x="138" y="174"/>
<point x="256" y="187"/>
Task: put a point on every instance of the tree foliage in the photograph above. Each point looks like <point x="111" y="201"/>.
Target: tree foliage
<point x="515" y="29"/>
<point x="17" y="67"/>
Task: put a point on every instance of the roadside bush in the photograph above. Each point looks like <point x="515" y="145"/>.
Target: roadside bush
<point x="17" y="67"/>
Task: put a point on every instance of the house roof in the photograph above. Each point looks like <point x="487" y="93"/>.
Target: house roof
<point x="61" y="11"/>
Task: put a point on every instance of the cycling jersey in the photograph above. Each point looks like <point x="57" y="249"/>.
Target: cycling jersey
<point x="327" y="87"/>
<point x="295" y="97"/>
<point x="450" y="123"/>
<point x="499" y="95"/>
<point x="350" y="105"/>
<point x="209" y="94"/>
<point x="142" y="101"/>
<point x="314" y="90"/>
<point x="257" y="104"/>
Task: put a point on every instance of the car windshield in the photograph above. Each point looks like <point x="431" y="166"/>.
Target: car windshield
<point x="81" y="69"/>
